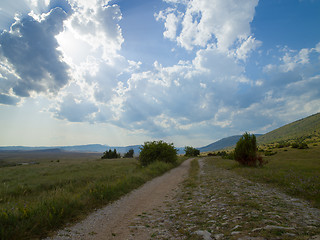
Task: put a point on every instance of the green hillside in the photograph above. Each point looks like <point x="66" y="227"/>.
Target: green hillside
<point x="308" y="127"/>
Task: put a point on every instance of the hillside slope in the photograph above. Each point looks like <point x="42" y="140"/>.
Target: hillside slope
<point x="222" y="143"/>
<point x="301" y="128"/>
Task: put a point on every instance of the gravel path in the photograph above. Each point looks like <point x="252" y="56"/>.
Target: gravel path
<point x="115" y="220"/>
<point x="221" y="206"/>
<point x="224" y="205"/>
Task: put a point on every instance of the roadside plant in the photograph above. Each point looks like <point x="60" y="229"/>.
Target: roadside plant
<point x="246" y="152"/>
<point x="191" y="151"/>
<point x="157" y="151"/>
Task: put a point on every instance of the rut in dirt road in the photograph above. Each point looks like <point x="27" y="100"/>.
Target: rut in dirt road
<point x="115" y="220"/>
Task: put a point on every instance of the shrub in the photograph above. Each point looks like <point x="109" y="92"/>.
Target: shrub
<point x="246" y="151"/>
<point x="270" y="153"/>
<point x="110" y="154"/>
<point x="228" y="155"/>
<point x="299" y="145"/>
<point x="191" y="151"/>
<point x="129" y="154"/>
<point x="303" y="145"/>
<point x="222" y="153"/>
<point x="282" y="144"/>
<point x="157" y="151"/>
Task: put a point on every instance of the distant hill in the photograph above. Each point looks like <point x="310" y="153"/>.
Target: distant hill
<point x="85" y="148"/>
<point x="94" y="148"/>
<point x="221" y="144"/>
<point x="301" y="128"/>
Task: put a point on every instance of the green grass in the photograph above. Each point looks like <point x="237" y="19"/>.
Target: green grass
<point x="192" y="180"/>
<point x="37" y="199"/>
<point x="301" y="129"/>
<point x="294" y="171"/>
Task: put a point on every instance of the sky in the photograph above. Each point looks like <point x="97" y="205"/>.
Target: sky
<point x="123" y="72"/>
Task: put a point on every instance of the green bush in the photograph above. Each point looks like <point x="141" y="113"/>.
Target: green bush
<point x="157" y="151"/>
<point x="270" y="153"/>
<point x="191" y="151"/>
<point x="299" y="145"/>
<point x="228" y="155"/>
<point x="110" y="154"/>
<point x="282" y="144"/>
<point x="129" y="154"/>
<point x="246" y="151"/>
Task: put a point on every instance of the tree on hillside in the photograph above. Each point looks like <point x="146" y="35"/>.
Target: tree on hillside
<point x="157" y="151"/>
<point x="191" y="151"/>
<point x="246" y="152"/>
<point x="110" y="154"/>
<point x="129" y="154"/>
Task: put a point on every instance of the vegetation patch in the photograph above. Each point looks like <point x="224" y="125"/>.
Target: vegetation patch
<point x="294" y="171"/>
<point x="157" y="151"/>
<point x="37" y="199"/>
<point x="192" y="180"/>
<point x="110" y="154"/>
<point x="246" y="152"/>
<point x="191" y="151"/>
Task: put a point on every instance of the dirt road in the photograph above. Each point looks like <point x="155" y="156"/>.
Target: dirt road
<point x="115" y="220"/>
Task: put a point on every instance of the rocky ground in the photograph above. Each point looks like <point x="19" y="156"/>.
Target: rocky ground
<point x="223" y="205"/>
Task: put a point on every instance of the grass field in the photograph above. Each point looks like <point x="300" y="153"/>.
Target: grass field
<point x="294" y="171"/>
<point x="39" y="198"/>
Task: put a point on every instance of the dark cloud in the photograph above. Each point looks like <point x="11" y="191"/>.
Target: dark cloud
<point x="8" y="100"/>
<point x="31" y="48"/>
<point x="76" y="111"/>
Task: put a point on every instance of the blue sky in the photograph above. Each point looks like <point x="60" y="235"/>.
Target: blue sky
<point x="123" y="72"/>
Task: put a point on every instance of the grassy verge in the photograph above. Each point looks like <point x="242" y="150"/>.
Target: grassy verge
<point x="37" y="199"/>
<point x="192" y="180"/>
<point x="294" y="171"/>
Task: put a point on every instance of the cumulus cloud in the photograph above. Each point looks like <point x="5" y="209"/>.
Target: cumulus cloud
<point x="171" y="22"/>
<point x="96" y="24"/>
<point x="29" y="49"/>
<point x="221" y="21"/>
<point x="169" y="100"/>
<point x="249" y="45"/>
<point x="80" y="60"/>
<point x="90" y="44"/>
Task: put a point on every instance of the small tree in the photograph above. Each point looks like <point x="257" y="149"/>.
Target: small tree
<point x="110" y="154"/>
<point x="129" y="154"/>
<point x="246" y="151"/>
<point x="157" y="151"/>
<point x="191" y="151"/>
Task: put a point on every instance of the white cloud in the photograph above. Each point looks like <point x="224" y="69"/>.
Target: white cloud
<point x="209" y="90"/>
<point x="246" y="47"/>
<point x="171" y="24"/>
<point x="95" y="24"/>
<point x="91" y="43"/>
<point x="173" y="99"/>
<point x="292" y="60"/>
<point x="225" y="21"/>
<point x="317" y="48"/>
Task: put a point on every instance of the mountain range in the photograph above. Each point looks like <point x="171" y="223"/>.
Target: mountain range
<point x="306" y="126"/>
